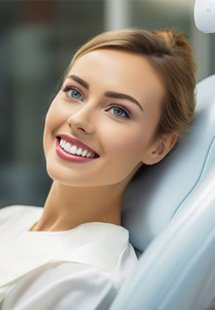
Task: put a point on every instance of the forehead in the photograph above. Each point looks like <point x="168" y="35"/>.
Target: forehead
<point x="122" y="71"/>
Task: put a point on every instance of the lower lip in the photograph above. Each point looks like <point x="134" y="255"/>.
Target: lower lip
<point x="69" y="157"/>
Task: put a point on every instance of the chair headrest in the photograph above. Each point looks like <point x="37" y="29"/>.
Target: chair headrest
<point x="161" y="191"/>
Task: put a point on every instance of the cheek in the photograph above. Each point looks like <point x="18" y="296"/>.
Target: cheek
<point x="52" y="121"/>
<point x="127" y="142"/>
<point x="54" y="117"/>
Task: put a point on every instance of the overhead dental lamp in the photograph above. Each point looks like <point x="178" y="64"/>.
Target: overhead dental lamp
<point x="204" y="15"/>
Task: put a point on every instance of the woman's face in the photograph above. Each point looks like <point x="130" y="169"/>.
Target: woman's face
<point x="100" y="126"/>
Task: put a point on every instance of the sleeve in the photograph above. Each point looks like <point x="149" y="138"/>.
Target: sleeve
<point x="62" y="287"/>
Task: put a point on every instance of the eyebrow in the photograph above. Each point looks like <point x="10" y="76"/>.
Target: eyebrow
<point x="116" y="95"/>
<point x="109" y="94"/>
<point x="79" y="80"/>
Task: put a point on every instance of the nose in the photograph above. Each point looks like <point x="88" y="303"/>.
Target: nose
<point x="82" y="120"/>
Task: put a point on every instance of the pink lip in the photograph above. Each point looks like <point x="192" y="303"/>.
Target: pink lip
<point x="76" y="142"/>
<point x="70" y="157"/>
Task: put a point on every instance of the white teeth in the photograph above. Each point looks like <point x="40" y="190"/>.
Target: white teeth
<point x="67" y="147"/>
<point x="79" y="151"/>
<point x="84" y="153"/>
<point x="62" y="142"/>
<point x="73" y="149"/>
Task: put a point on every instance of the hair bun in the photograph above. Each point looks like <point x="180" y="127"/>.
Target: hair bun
<point x="173" y="38"/>
<point x="177" y="43"/>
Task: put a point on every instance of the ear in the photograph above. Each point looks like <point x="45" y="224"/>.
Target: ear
<point x="160" y="148"/>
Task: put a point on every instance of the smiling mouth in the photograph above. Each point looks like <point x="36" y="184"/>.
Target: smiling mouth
<point x="74" y="149"/>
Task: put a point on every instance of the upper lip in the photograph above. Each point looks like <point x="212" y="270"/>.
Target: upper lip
<point x="76" y="142"/>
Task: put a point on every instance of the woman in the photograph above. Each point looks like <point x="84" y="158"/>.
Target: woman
<point x="126" y="98"/>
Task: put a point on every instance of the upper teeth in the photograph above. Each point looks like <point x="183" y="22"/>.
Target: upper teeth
<point x="75" y="150"/>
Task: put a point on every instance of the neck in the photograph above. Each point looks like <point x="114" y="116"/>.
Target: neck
<point x="66" y="207"/>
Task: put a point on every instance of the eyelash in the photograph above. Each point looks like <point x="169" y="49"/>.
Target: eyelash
<point x="68" y="88"/>
<point x="125" y="111"/>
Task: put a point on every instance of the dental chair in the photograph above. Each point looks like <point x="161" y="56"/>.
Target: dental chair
<point x="170" y="213"/>
<point x="169" y="210"/>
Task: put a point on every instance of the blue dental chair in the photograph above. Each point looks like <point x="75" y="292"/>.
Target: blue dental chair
<point x="169" y="210"/>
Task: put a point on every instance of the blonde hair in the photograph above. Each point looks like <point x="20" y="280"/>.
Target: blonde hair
<point x="170" y="54"/>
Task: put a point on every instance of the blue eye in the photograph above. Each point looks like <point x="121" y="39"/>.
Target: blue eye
<point x="73" y="93"/>
<point x="119" y="112"/>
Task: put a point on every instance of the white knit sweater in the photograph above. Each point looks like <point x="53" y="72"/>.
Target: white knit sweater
<point x="88" y="263"/>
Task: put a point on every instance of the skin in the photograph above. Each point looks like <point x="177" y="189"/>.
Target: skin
<point x="121" y="131"/>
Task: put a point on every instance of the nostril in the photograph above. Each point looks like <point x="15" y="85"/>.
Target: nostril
<point x="79" y="125"/>
<point x="82" y="129"/>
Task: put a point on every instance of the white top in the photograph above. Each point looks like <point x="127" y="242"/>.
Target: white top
<point x="82" y="268"/>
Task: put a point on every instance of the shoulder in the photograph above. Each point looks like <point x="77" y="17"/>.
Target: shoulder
<point x="63" y="286"/>
<point x="70" y="272"/>
<point x="113" y="252"/>
<point x="78" y="273"/>
<point x="17" y="210"/>
<point x="12" y="215"/>
<point x="106" y="246"/>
